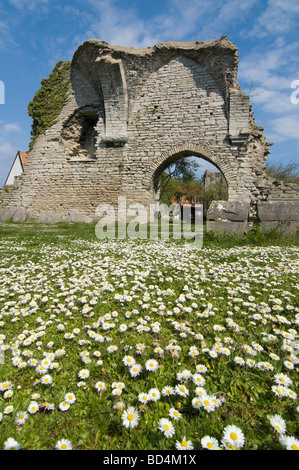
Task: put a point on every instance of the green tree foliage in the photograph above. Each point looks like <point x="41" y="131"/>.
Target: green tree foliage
<point x="288" y="173"/>
<point x="176" y="178"/>
<point x="49" y="100"/>
<point x="179" y="182"/>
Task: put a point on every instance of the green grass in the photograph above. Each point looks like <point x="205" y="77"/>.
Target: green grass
<point x="235" y="291"/>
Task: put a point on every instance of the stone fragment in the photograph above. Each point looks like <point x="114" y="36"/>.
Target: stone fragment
<point x="279" y="211"/>
<point x="49" y="217"/>
<point x="75" y="216"/>
<point x="233" y="211"/>
<point x="20" y="215"/>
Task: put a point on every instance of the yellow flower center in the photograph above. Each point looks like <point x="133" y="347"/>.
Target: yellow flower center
<point x="206" y="402"/>
<point x="184" y="443"/>
<point x="176" y="414"/>
<point x="63" y="447"/>
<point x="277" y="427"/>
<point x="295" y="447"/>
<point x="210" y="445"/>
<point x="21" y="416"/>
<point x="130" y="417"/>
<point x="166" y="427"/>
<point x="234" y="436"/>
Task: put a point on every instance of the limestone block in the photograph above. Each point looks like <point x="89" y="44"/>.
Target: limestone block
<point x="228" y="226"/>
<point x="20" y="215"/>
<point x="49" y="217"/>
<point x="278" y="211"/>
<point x="75" y="216"/>
<point x="234" y="211"/>
<point x="284" y="227"/>
<point x="7" y="213"/>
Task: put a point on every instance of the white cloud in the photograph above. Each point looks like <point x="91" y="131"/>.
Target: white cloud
<point x="202" y="20"/>
<point x="11" y="127"/>
<point x="38" y="5"/>
<point x="286" y="127"/>
<point x="6" y="38"/>
<point x="270" y="74"/>
<point x="278" y="17"/>
<point x="6" y="151"/>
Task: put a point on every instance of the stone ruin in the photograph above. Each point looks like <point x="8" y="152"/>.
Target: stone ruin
<point x="130" y="113"/>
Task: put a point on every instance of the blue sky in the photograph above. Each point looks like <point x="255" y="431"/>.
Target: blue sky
<point x="36" y="34"/>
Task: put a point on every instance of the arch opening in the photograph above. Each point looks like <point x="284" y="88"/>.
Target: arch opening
<point x="189" y="178"/>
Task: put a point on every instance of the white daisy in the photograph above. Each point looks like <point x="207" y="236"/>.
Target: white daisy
<point x="100" y="386"/>
<point x="174" y="414"/>
<point x="46" y="379"/>
<point x="130" y="417"/>
<point x="278" y="423"/>
<point x="70" y="398"/>
<point x="210" y="443"/>
<point x="167" y="391"/>
<point x="21" y="418"/>
<point x="151" y="365"/>
<point x="83" y="374"/>
<point x="184" y="444"/>
<point x="181" y="390"/>
<point x="289" y="442"/>
<point x="11" y="444"/>
<point x="233" y="436"/>
<point x="64" y="406"/>
<point x="135" y="370"/>
<point x="166" y="427"/>
<point x="128" y="361"/>
<point x="154" y="394"/>
<point x="63" y="444"/>
<point x="33" y="407"/>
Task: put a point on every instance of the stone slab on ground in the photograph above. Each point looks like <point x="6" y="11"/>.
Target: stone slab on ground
<point x="284" y="227"/>
<point x="228" y="226"/>
<point x="278" y="211"/>
<point x="49" y="217"/>
<point x="74" y="216"/>
<point x="236" y="211"/>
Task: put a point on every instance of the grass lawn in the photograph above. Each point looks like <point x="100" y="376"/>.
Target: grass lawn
<point x="147" y="345"/>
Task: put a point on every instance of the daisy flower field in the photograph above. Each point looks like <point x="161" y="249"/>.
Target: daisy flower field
<point x="147" y="345"/>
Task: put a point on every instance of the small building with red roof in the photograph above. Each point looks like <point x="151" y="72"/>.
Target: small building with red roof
<point x="17" y="168"/>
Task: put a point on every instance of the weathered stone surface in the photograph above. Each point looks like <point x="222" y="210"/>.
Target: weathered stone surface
<point x="49" y="217"/>
<point x="7" y="213"/>
<point x="230" y="227"/>
<point x="278" y="211"/>
<point x="77" y="217"/>
<point x="16" y="214"/>
<point x="284" y="227"/>
<point x="233" y="211"/>
<point x="20" y="215"/>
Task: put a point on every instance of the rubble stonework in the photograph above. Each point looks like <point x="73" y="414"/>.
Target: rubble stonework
<point x="131" y="112"/>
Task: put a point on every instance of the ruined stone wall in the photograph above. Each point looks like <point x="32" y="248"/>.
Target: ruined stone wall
<point x="130" y="113"/>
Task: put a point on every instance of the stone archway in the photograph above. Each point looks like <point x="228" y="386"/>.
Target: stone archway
<point x="179" y="151"/>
